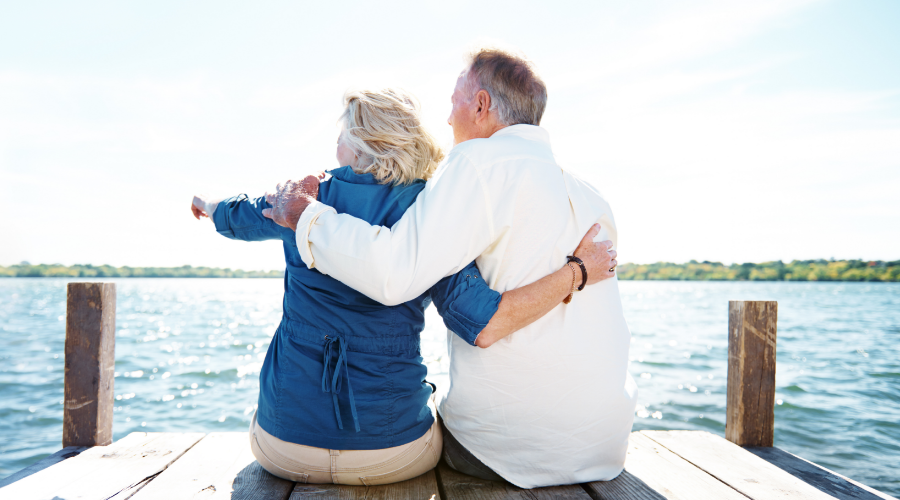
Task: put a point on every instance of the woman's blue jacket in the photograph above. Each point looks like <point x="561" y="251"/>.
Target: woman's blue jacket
<point x="344" y="371"/>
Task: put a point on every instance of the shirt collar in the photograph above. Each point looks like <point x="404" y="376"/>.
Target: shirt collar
<point x="529" y="132"/>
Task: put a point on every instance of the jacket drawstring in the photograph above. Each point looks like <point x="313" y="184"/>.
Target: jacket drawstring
<point x="336" y="378"/>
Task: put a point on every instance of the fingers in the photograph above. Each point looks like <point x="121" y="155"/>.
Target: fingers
<point x="599" y="257"/>
<point x="602" y="252"/>
<point x="291" y="199"/>
<point x="292" y="188"/>
<point x="592" y="232"/>
<point x="321" y="175"/>
<point x="197" y="212"/>
<point x="310" y="184"/>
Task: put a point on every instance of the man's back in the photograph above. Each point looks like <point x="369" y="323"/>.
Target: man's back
<point x="552" y="403"/>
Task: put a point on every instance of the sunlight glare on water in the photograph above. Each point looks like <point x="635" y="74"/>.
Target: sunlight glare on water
<point x="189" y="351"/>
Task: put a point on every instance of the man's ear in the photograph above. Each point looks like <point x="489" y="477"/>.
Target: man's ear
<point x="482" y="105"/>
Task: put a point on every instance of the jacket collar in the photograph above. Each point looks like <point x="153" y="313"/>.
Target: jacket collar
<point x="347" y="174"/>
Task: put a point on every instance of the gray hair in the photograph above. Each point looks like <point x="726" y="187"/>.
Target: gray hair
<point x="518" y="95"/>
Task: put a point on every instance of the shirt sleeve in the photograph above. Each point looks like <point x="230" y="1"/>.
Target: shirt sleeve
<point x="465" y="302"/>
<point x="241" y="218"/>
<point x="445" y="229"/>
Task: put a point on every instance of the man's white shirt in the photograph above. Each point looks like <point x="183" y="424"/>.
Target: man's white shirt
<point x="552" y="403"/>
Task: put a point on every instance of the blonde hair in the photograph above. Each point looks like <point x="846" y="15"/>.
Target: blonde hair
<point x="385" y="131"/>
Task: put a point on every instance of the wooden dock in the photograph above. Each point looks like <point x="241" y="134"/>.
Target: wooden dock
<point x="660" y="464"/>
<point x="685" y="465"/>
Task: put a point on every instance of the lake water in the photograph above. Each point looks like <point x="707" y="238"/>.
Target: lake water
<point x="188" y="353"/>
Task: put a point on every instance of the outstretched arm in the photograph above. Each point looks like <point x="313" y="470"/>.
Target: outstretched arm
<point x="450" y="224"/>
<point x="239" y="217"/>
<point x="204" y="206"/>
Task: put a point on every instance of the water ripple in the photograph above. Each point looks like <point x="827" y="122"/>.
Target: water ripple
<point x="188" y="353"/>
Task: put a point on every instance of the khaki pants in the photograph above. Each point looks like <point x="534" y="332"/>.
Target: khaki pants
<point x="305" y="464"/>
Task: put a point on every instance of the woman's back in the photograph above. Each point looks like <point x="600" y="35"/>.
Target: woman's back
<point x="320" y="297"/>
<point x="344" y="371"/>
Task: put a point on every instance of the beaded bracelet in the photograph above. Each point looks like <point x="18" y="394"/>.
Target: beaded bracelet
<point x="571" y="293"/>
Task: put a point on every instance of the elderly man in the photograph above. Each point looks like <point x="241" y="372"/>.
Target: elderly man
<point x="554" y="403"/>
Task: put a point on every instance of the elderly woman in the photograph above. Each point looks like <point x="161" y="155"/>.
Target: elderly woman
<point x="343" y="397"/>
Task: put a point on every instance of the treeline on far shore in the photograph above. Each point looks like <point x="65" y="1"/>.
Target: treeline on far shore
<point x="798" y="270"/>
<point x="26" y="270"/>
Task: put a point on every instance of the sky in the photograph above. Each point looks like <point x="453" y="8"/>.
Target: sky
<point x="722" y="131"/>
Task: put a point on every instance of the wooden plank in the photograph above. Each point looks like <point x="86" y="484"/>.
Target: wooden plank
<point x="653" y="472"/>
<point x="90" y="364"/>
<point x="815" y="475"/>
<point x="625" y="486"/>
<point x="254" y="482"/>
<point x="59" y="456"/>
<point x="456" y="486"/>
<point x="105" y="472"/>
<point x="750" y="411"/>
<point x="221" y="465"/>
<point x="735" y="466"/>
<point x="424" y="487"/>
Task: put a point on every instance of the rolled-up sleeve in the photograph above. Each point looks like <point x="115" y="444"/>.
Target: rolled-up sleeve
<point x="465" y="302"/>
<point x="445" y="229"/>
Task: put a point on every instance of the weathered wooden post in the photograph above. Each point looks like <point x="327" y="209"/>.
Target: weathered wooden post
<point x="90" y="364"/>
<point x="750" y="413"/>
